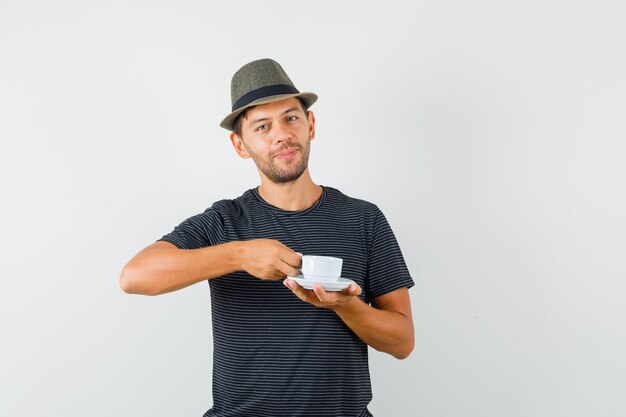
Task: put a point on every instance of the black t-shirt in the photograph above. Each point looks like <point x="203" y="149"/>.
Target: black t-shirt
<point x="275" y="355"/>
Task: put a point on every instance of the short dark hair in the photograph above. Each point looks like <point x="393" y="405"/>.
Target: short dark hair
<point x="239" y="120"/>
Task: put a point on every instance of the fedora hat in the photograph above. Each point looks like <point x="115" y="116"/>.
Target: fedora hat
<point x="260" y="82"/>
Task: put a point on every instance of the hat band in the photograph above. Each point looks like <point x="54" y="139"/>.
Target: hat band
<point x="270" y="90"/>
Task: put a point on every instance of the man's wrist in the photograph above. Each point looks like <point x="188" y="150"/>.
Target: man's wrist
<point x="236" y="253"/>
<point x="349" y="307"/>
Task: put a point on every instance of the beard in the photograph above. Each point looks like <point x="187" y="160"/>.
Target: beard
<point x="278" y="174"/>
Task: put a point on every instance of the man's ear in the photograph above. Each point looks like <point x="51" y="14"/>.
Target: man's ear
<point x="311" y="125"/>
<point x="239" y="146"/>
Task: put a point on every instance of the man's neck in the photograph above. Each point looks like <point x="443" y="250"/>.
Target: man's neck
<point x="293" y="196"/>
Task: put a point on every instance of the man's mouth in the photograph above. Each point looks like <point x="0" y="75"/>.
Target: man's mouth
<point x="286" y="154"/>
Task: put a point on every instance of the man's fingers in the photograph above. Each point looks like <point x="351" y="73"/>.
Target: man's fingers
<point x="320" y="297"/>
<point x="300" y="292"/>
<point x="288" y="269"/>
<point x="353" y="289"/>
<point x="320" y="293"/>
<point x="293" y="259"/>
<point x="289" y="261"/>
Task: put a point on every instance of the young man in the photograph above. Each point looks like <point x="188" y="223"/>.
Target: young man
<point x="279" y="349"/>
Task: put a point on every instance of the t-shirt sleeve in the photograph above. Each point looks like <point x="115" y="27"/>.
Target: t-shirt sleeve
<point x="199" y="231"/>
<point x="386" y="268"/>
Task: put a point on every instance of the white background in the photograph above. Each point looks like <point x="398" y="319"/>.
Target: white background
<point x="490" y="133"/>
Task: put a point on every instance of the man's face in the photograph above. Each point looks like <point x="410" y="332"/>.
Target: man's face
<point x="277" y="137"/>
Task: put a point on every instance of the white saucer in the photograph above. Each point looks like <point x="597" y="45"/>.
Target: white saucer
<point x="340" y="284"/>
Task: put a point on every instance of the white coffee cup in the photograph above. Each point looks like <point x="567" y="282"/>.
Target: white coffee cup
<point x="321" y="268"/>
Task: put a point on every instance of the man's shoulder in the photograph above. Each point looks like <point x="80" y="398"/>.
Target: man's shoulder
<point x="337" y="197"/>
<point x="230" y="206"/>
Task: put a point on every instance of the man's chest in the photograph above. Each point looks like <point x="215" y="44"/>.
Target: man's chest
<point x="330" y="235"/>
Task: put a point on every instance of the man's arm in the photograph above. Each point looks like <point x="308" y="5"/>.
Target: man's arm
<point x="162" y="267"/>
<point x="386" y="325"/>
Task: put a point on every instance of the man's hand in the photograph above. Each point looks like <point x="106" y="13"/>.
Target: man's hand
<point x="333" y="300"/>
<point x="269" y="259"/>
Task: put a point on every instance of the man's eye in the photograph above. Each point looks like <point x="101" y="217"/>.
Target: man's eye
<point x="292" y="118"/>
<point x="261" y="127"/>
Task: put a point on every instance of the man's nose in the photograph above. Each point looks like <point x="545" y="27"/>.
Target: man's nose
<point x="281" y="132"/>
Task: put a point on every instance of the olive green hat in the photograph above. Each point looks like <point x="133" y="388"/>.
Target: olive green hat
<point x="260" y="82"/>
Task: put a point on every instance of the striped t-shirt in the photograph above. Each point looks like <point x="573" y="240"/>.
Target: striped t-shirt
<point x="275" y="355"/>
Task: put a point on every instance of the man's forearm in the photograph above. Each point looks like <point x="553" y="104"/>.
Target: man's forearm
<point x="384" y="330"/>
<point x="160" y="270"/>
